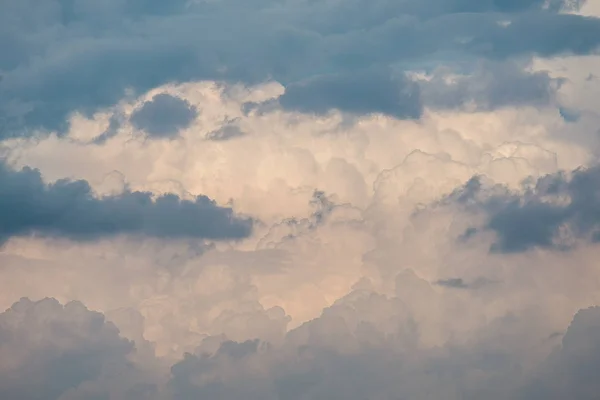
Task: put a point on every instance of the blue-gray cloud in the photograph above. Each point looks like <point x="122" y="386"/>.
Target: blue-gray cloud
<point x="570" y="372"/>
<point x="164" y="116"/>
<point x="459" y="283"/>
<point x="535" y="217"/>
<point x="49" y="350"/>
<point x="69" y="352"/>
<point x="313" y="364"/>
<point x="226" y="132"/>
<point x="69" y="209"/>
<point x="63" y="56"/>
<point x="362" y="92"/>
<point x="491" y="86"/>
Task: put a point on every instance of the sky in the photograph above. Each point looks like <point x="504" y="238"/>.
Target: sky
<point x="299" y="199"/>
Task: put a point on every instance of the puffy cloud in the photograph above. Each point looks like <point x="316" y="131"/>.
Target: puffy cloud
<point x="341" y="356"/>
<point x="69" y="209"/>
<point x="51" y="351"/>
<point x="349" y="133"/>
<point x="333" y="199"/>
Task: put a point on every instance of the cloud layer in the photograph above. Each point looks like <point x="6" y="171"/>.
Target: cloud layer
<point x="71" y="56"/>
<point x="299" y="200"/>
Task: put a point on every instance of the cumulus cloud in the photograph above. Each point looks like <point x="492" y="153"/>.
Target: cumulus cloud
<point x="69" y="209"/>
<point x="352" y="351"/>
<point x="568" y="370"/>
<point x="336" y="357"/>
<point x="318" y="222"/>
<point x="51" y="351"/>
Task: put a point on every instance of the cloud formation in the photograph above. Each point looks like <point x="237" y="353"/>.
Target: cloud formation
<point x="359" y="93"/>
<point x="69" y="209"/>
<point x="333" y="356"/>
<point x="71" y="56"/>
<point x="163" y="116"/>
<point x="343" y="199"/>
<point x="51" y="351"/>
<point x="552" y="211"/>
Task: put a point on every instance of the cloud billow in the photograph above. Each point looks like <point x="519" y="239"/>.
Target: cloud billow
<point x="69" y="209"/>
<point x="58" y="351"/>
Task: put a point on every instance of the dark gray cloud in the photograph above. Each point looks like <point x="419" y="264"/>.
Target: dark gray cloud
<point x="552" y="212"/>
<point x="69" y="209"/>
<point x="460" y="283"/>
<point x="362" y="92"/>
<point x="491" y="86"/>
<point x="48" y="350"/>
<point x="164" y="116"/>
<point x="226" y="132"/>
<point x="569" y="115"/>
<point x="64" y="56"/>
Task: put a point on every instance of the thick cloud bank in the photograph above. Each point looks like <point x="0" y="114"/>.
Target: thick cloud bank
<point x="68" y="352"/>
<point x="297" y="199"/>
<point x="60" y="56"/>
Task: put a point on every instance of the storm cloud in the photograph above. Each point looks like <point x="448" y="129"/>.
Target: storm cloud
<point x="75" y="56"/>
<point x="69" y="209"/>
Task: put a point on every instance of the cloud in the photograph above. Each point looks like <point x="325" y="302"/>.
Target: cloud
<point x="459" y="283"/>
<point x="349" y="133"/>
<point x="227" y="132"/>
<point x="51" y="351"/>
<point x="69" y="209"/>
<point x="359" y="93"/>
<point x="163" y="116"/>
<point x="112" y="130"/>
<point x="347" y="354"/>
<point x="352" y="351"/>
<point x="568" y="372"/>
<point x="551" y="212"/>
<point x="490" y="87"/>
<point x="70" y="57"/>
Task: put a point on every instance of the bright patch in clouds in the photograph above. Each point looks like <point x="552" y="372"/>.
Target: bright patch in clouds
<point x="299" y="200"/>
